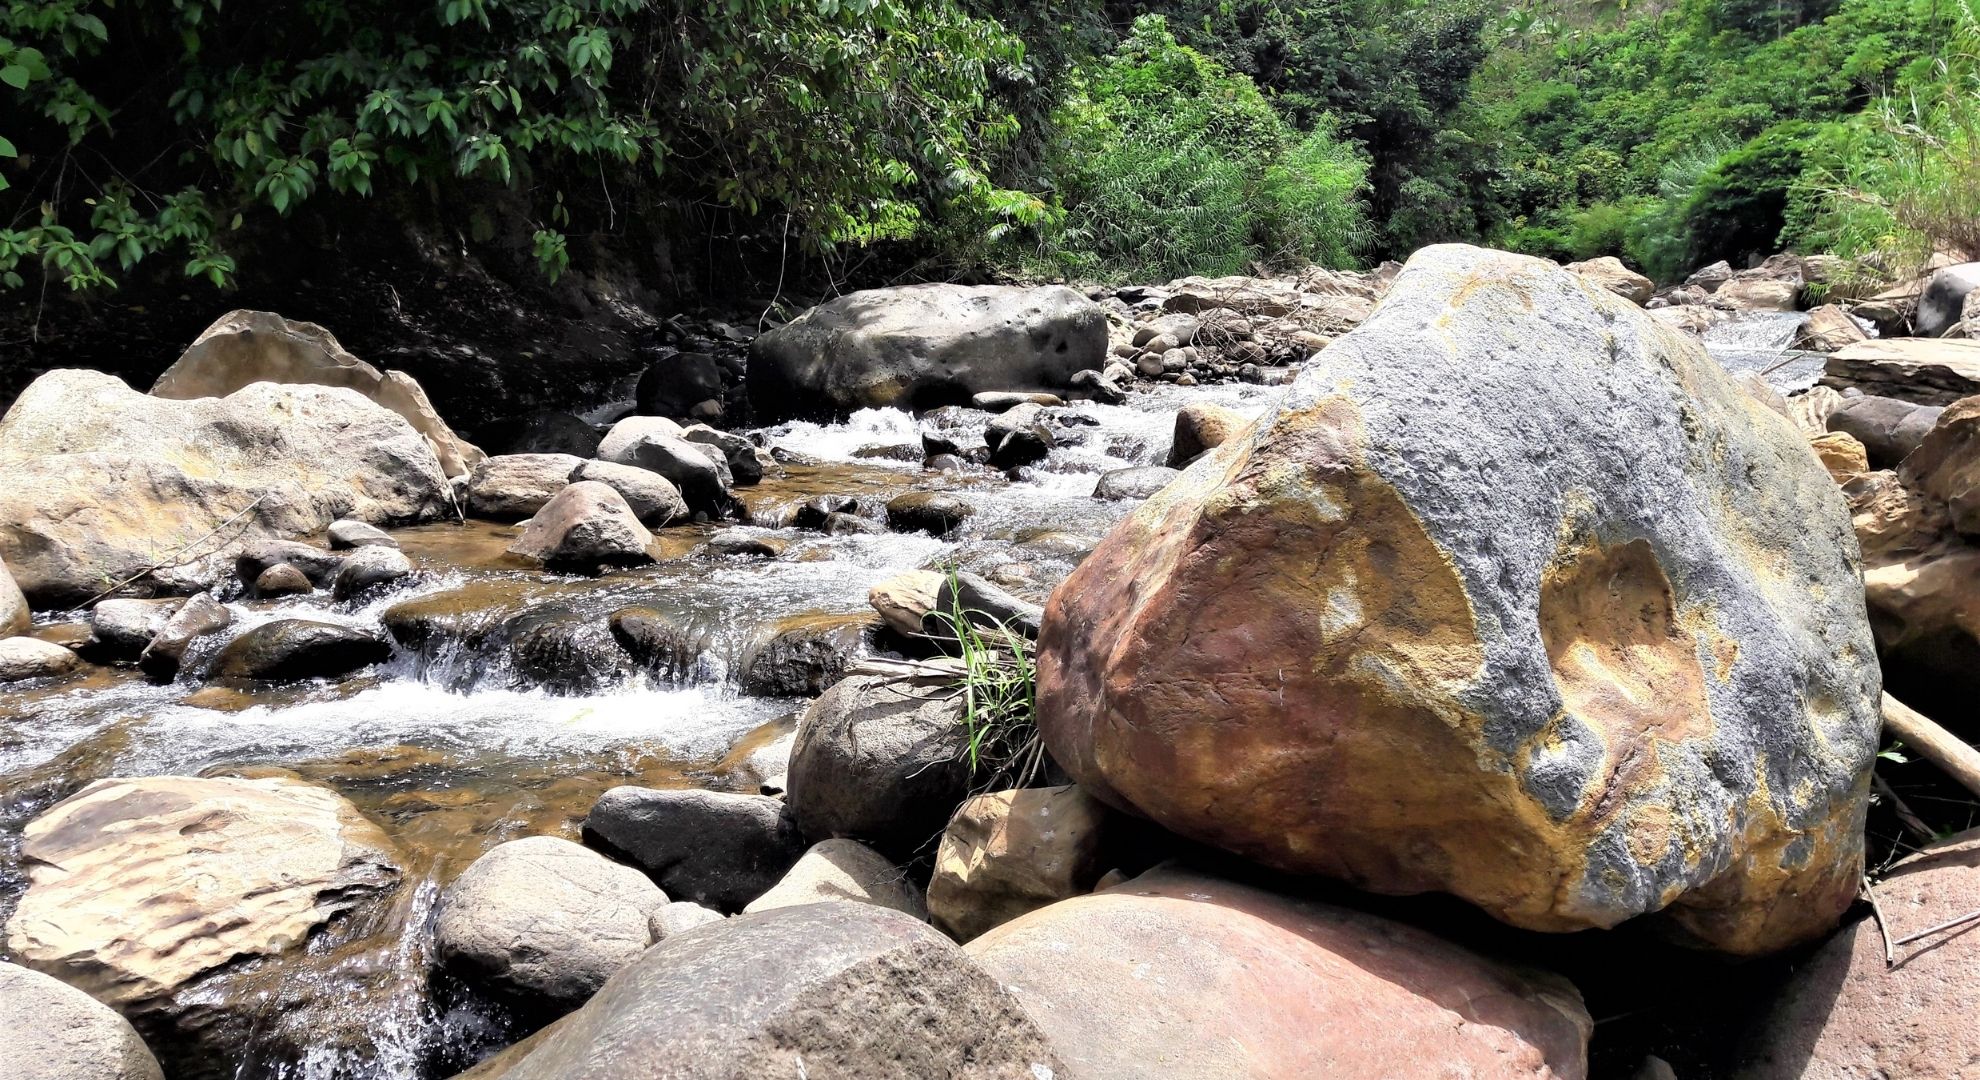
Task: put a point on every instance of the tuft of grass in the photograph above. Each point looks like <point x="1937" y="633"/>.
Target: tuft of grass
<point x="998" y="683"/>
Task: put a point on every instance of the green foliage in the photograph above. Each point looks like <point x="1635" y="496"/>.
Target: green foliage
<point x="1740" y="204"/>
<point x="998" y="686"/>
<point x="850" y="118"/>
<point x="1172" y="164"/>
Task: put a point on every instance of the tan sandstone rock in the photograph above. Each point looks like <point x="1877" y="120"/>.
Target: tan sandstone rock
<point x="1631" y="675"/>
<point x="1201" y="426"/>
<point x="1841" y="454"/>
<point x="243" y="347"/>
<point x="1012" y="852"/>
<point x="1176" y="974"/>
<point x="1610" y="273"/>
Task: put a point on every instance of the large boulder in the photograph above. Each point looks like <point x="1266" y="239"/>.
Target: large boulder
<point x="881" y="758"/>
<point x="1617" y="633"/>
<point x="1941" y="305"/>
<point x="1946" y="465"/>
<point x="707" y="847"/>
<point x="1012" y="852"/>
<point x="828" y="991"/>
<point x="50" y="1030"/>
<point x="1176" y="974"/>
<point x="1846" y="1012"/>
<point x="653" y="498"/>
<point x="243" y="347"/>
<point x="920" y="346"/>
<point x="162" y="896"/>
<point x="99" y="483"/>
<point x="674" y="385"/>
<point x="586" y="525"/>
<point x="510" y="487"/>
<point x="15" y="616"/>
<point x="1925" y="370"/>
<point x="544" y="921"/>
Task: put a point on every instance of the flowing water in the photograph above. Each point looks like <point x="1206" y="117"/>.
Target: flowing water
<point x="460" y="743"/>
<point x="1762" y="342"/>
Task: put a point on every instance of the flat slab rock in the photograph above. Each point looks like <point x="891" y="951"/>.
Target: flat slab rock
<point x="1929" y="371"/>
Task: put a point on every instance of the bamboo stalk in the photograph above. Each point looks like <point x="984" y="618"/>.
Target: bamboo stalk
<point x="1933" y="743"/>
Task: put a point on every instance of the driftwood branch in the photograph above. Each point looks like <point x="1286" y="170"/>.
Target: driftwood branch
<point x="179" y="556"/>
<point x="1933" y="743"/>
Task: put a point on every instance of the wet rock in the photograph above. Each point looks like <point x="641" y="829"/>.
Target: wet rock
<point x="654" y="499"/>
<point x="1018" y="437"/>
<point x="801" y="655"/>
<point x="243" y="347"/>
<point x="662" y="642"/>
<point x="150" y="894"/>
<point x="318" y="565"/>
<point x="1099" y="386"/>
<point x="1888" y="428"/>
<point x="550" y="432"/>
<point x="287" y="650"/>
<point x="1940" y="305"/>
<point x="814" y="511"/>
<point x="369" y="569"/>
<point x="510" y="487"/>
<point x="1013" y="852"/>
<point x="918" y="346"/>
<point x="1247" y="689"/>
<point x="849" y="525"/>
<point x="945" y="463"/>
<point x="23" y="658"/>
<point x="674" y="385"/>
<point x="880" y="759"/>
<point x="560" y="650"/>
<point x="49" y="1030"/>
<point x="120" y="629"/>
<point x="199" y="617"/>
<point x="1201" y="426"/>
<point x="679" y="917"/>
<point x="346" y="533"/>
<point x="856" y="991"/>
<point x="15" y="616"/>
<point x="937" y="513"/>
<point x="1927" y="371"/>
<point x="545" y="922"/>
<point x="1610" y="273"/>
<point x="98" y="482"/>
<point x="1180" y="974"/>
<point x="742" y="543"/>
<point x="915" y="604"/>
<point x="586" y="525"/>
<point x="745" y="467"/>
<point x="703" y="478"/>
<point x="280" y="580"/>
<point x="844" y="871"/>
<point x="707" y="847"/>
<point x="1845" y="1013"/>
<point x="1136" y="483"/>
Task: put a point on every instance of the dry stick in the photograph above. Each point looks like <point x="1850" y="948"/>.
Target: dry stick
<point x="1883" y="927"/>
<point x="1934" y="743"/>
<point x="1971" y="916"/>
<point x="1903" y="810"/>
<point x="169" y="560"/>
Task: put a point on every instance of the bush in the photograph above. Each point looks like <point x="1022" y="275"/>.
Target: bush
<point x="1740" y="205"/>
<point x="1171" y="164"/>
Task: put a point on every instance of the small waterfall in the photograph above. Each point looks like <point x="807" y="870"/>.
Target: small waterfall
<point x="1762" y="342"/>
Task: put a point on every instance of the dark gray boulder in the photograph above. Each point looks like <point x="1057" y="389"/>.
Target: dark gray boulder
<point x="674" y="385"/>
<point x="1888" y="428"/>
<point x="564" y="652"/>
<point x="280" y="580"/>
<point x="550" y="432"/>
<point x="937" y="513"/>
<point x="1018" y="437"/>
<point x="745" y="467"/>
<point x="1136" y="483"/>
<point x="199" y="617"/>
<point x="830" y="991"/>
<point x="920" y="346"/>
<point x="709" y="847"/>
<point x="666" y="643"/>
<point x="879" y="758"/>
<point x="1940" y="304"/>
<point x="291" y="649"/>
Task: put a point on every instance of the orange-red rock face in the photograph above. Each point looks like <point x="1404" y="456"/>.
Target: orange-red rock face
<point x="1516" y="596"/>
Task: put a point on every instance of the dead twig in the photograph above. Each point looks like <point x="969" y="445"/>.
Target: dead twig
<point x="1883" y="927"/>
<point x="177" y="557"/>
<point x="1971" y="916"/>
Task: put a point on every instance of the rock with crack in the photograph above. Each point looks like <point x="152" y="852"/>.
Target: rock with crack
<point x="1632" y="675"/>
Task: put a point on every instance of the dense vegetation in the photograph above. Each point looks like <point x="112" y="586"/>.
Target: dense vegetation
<point x="1090" y="138"/>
